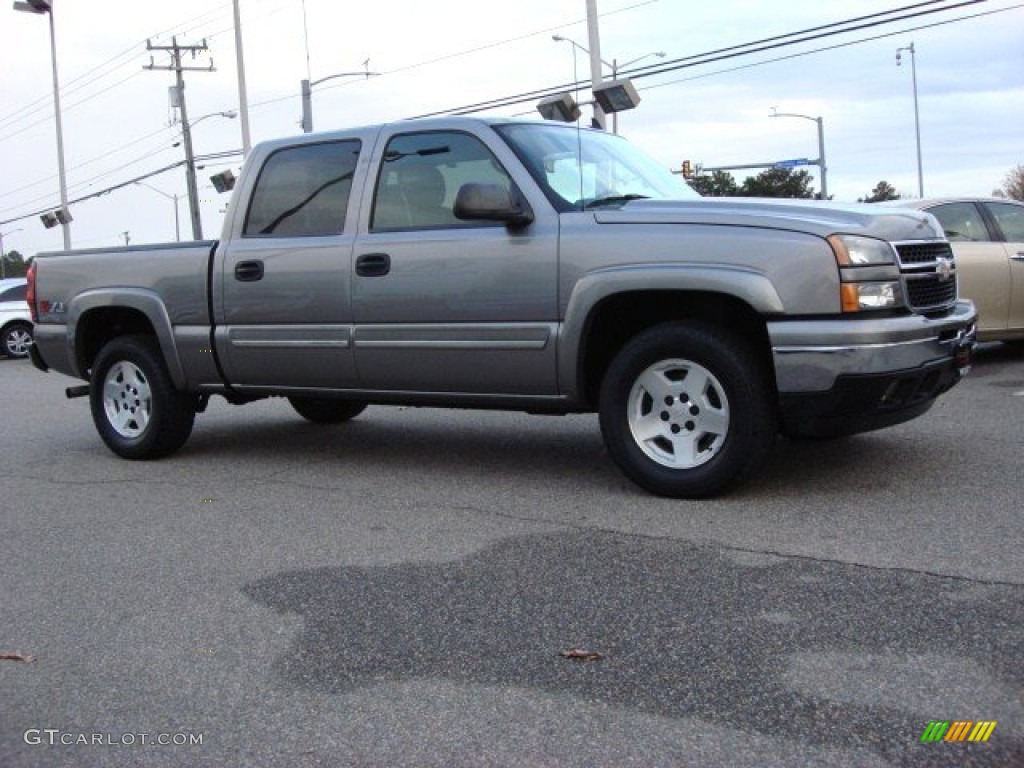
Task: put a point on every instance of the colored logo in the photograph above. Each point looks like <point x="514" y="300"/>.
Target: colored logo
<point x="958" y="730"/>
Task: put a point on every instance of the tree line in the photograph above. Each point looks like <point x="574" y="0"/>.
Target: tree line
<point x="792" y="183"/>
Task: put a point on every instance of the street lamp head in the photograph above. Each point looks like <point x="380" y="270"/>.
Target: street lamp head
<point x="557" y="38"/>
<point x="230" y="114"/>
<point x="35" y="6"/>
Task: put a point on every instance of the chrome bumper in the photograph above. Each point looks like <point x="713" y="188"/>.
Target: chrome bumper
<point x="810" y="355"/>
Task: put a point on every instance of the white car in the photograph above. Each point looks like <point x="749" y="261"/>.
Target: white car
<point x="987" y="236"/>
<point x="15" y="320"/>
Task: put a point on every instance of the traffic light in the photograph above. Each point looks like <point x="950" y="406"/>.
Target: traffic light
<point x="687" y="169"/>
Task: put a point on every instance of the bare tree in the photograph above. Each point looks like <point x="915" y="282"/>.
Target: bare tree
<point x="1013" y="184"/>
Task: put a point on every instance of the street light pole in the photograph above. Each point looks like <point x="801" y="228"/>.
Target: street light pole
<point x="174" y="199"/>
<point x="821" y="147"/>
<point x="917" y="116"/>
<point x="46" y="6"/>
<point x="307" y="94"/>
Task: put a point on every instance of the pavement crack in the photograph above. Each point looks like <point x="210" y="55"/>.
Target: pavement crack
<point x="709" y="544"/>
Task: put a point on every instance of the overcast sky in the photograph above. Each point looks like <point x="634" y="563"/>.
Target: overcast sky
<point x="451" y="53"/>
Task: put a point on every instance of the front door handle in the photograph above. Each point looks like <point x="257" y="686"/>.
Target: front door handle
<point x="249" y="271"/>
<point x="373" y="264"/>
<point x="1019" y="256"/>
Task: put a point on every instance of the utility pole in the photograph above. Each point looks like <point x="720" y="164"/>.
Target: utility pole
<point x="594" y="37"/>
<point x="243" y="99"/>
<point x="186" y="133"/>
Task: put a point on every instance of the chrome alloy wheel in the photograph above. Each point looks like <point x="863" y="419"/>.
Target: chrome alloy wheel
<point x="18" y="342"/>
<point x="127" y="399"/>
<point x="678" y="414"/>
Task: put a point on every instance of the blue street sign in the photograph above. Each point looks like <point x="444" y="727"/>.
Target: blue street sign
<point x="792" y="163"/>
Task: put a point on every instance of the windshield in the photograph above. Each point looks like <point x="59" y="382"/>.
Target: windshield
<point x="581" y="168"/>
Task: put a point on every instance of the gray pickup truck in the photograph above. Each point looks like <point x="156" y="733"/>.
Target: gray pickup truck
<point x="516" y="265"/>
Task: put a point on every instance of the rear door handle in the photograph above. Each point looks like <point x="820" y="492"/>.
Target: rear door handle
<point x="373" y="264"/>
<point x="1019" y="256"/>
<point x="249" y="271"/>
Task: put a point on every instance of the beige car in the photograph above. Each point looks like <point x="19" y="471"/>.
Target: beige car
<point x="988" y="240"/>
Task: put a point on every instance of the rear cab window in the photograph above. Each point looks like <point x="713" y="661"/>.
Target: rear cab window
<point x="303" y="191"/>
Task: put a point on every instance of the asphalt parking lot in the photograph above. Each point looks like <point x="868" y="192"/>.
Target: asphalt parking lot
<point x="400" y="591"/>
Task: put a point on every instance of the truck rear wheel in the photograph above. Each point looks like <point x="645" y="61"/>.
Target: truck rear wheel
<point x="325" y="410"/>
<point x="686" y="411"/>
<point x="135" y="407"/>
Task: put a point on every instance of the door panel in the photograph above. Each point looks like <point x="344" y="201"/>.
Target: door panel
<point x="983" y="272"/>
<point x="473" y="312"/>
<point x="292" y="326"/>
<point x="462" y="306"/>
<point x="1010" y="218"/>
<point x="983" y="275"/>
<point x="285" y="313"/>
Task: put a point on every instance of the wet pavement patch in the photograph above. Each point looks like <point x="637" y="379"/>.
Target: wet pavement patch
<point x="807" y="651"/>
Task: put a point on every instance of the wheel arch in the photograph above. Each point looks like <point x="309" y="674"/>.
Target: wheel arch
<point x="99" y="316"/>
<point x="617" y="318"/>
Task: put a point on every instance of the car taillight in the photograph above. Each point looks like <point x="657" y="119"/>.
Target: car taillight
<point x="30" y="295"/>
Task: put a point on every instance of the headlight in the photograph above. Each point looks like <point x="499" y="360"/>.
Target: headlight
<point x="855" y="251"/>
<point x="860" y="296"/>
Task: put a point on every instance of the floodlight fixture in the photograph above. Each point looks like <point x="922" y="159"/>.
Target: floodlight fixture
<point x="616" y="96"/>
<point x="559" y="107"/>
<point x="223" y="181"/>
<point x="63" y="216"/>
<point x="49" y="220"/>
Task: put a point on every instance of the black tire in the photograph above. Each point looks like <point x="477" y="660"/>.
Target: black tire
<point x="135" y="407"/>
<point x="322" y="410"/>
<point x="17" y="338"/>
<point x="714" y="418"/>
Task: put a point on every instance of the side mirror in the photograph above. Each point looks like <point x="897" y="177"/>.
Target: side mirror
<point x="491" y="202"/>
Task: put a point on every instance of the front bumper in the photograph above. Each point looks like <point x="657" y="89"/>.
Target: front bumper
<point x="844" y="376"/>
<point x="810" y="355"/>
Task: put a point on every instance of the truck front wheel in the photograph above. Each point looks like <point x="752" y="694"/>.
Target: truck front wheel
<point x="686" y="411"/>
<point x="135" y="407"/>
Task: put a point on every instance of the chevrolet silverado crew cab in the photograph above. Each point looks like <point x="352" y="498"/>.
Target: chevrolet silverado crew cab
<point x="478" y="263"/>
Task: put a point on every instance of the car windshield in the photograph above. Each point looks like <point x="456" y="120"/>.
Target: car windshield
<point x="583" y="168"/>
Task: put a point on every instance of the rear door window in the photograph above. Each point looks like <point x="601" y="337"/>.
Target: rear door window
<point x="303" y="191"/>
<point x="1010" y="219"/>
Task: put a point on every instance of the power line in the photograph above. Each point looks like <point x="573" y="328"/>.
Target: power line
<point x="170" y="167"/>
<point x="731" y="52"/>
<point x="834" y="47"/>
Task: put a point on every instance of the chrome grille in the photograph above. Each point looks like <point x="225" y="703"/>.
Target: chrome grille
<point x="923" y="253"/>
<point x="930" y="292"/>
<point x="929" y="275"/>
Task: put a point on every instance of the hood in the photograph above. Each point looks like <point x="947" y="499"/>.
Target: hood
<point x="807" y="216"/>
